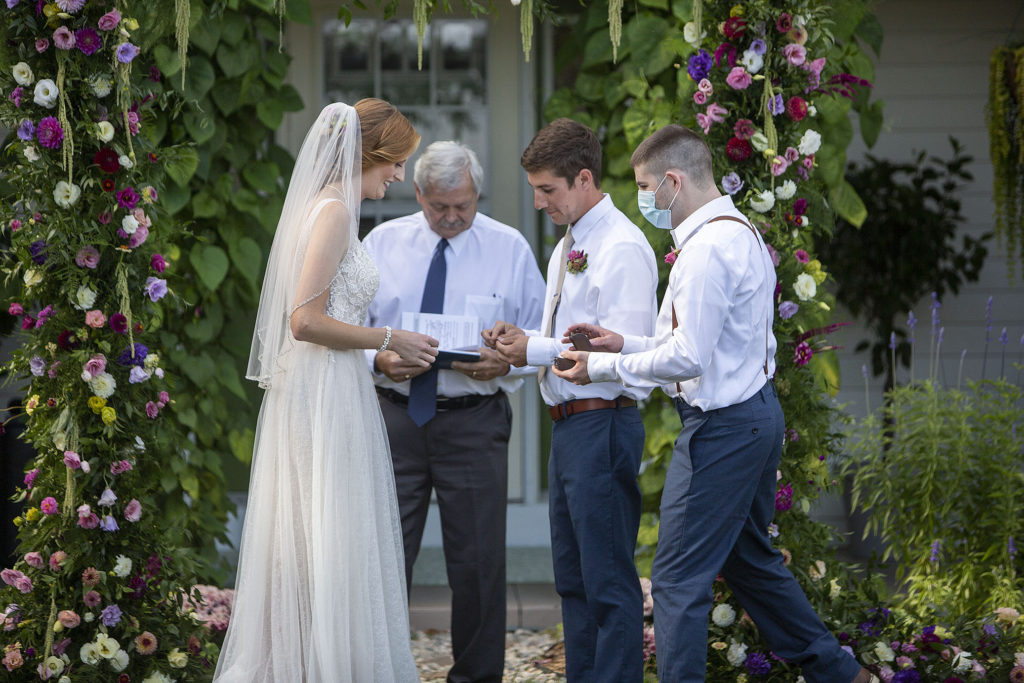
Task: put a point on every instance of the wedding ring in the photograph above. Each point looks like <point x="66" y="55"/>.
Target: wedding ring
<point x="474" y="373"/>
<point x="408" y="376"/>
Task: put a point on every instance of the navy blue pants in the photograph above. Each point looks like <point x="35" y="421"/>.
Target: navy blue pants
<point x="594" y="506"/>
<point x="718" y="501"/>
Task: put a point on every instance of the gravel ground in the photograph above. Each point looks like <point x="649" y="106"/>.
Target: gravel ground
<point x="523" y="651"/>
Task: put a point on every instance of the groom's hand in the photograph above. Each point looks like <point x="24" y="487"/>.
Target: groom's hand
<point x="512" y="348"/>
<point x="577" y="374"/>
<point x="488" y="367"/>
<point x="394" y="368"/>
<point x="500" y="329"/>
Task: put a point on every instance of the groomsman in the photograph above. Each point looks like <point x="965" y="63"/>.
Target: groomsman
<point x="449" y="428"/>
<point x="714" y="351"/>
<point x="603" y="271"/>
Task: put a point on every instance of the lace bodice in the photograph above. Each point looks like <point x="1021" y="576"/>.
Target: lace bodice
<point x="354" y="287"/>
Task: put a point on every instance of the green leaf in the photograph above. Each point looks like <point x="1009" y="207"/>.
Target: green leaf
<point x="232" y="28"/>
<point x="180" y="164"/>
<point x="561" y="104"/>
<point x="262" y="175"/>
<point x="205" y="35"/>
<point x="871" y="119"/>
<point x="199" y="126"/>
<point x="247" y="201"/>
<point x="265" y="5"/>
<point x="200" y="78"/>
<point x="227" y="374"/>
<point x="825" y="369"/>
<point x="270" y="113"/>
<point x="190" y="482"/>
<point x="656" y="4"/>
<point x="646" y="34"/>
<point x="590" y="86"/>
<point x="598" y="49"/>
<point x="210" y="263"/>
<point x="174" y="197"/>
<point x="848" y="204"/>
<point x="832" y="109"/>
<point x="166" y="60"/>
<point x="242" y="444"/>
<point x="235" y="60"/>
<point x="299" y="11"/>
<point x="870" y="31"/>
<point x="247" y="257"/>
<point x="290" y="98"/>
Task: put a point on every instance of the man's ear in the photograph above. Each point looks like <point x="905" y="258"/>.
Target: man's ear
<point x="585" y="178"/>
<point x="419" y="195"/>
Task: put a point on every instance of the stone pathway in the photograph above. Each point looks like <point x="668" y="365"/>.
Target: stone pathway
<point x="523" y="650"/>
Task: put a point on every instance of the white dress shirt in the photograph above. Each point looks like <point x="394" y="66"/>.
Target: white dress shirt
<point x="722" y="285"/>
<point x="616" y="291"/>
<point x="490" y="261"/>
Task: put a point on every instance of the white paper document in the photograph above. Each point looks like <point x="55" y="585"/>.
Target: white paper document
<point x="453" y="332"/>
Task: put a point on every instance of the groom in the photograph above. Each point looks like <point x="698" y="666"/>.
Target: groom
<point x="715" y="353"/>
<point x="602" y="271"/>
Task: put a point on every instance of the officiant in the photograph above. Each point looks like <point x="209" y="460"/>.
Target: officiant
<point x="449" y="426"/>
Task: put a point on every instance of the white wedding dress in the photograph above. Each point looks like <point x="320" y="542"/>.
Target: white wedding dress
<point x="321" y="593"/>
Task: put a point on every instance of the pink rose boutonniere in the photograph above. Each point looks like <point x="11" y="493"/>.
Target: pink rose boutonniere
<point x="670" y="257"/>
<point x="576" y="263"/>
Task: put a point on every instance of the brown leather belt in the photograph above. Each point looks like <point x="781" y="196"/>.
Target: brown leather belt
<point x="570" y="408"/>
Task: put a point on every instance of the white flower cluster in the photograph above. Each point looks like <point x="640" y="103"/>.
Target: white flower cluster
<point x="103" y="647"/>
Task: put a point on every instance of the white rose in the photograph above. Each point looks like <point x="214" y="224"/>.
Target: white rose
<point x="31" y="153"/>
<point x="762" y="202"/>
<point x="23" y="74"/>
<point x="737" y="654"/>
<point x="88" y="616"/>
<point x="66" y="194"/>
<point x="177" y="659"/>
<point x="32" y="277"/>
<point x="817" y="570"/>
<point x="53" y="665"/>
<point x="85" y="297"/>
<point x="786" y="190"/>
<point x="812" y="110"/>
<point x="103" y="385"/>
<point x="88" y="654"/>
<point x="101" y="84"/>
<point x="884" y="652"/>
<point x="962" y="662"/>
<point x="46" y="93"/>
<point x="105" y="131"/>
<point x="809" y="142"/>
<point x="123" y="566"/>
<point x="805" y="288"/>
<point x="752" y="61"/>
<point x="125" y="161"/>
<point x="759" y="141"/>
<point x="723" y="615"/>
<point x="119" y="662"/>
<point x="106" y="647"/>
<point x="129" y="224"/>
<point x="690" y="34"/>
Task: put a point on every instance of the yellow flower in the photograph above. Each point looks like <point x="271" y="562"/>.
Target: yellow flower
<point x="96" y="404"/>
<point x="736" y="11"/>
<point x="32" y="514"/>
<point x="719" y="645"/>
<point x="769" y="153"/>
<point x="177" y="659"/>
<point x="109" y="415"/>
<point x="18" y="521"/>
<point x="52" y="348"/>
<point x="50" y="10"/>
<point x="941" y="632"/>
<point x="131" y="24"/>
<point x="32" y="403"/>
<point x="1007" y="615"/>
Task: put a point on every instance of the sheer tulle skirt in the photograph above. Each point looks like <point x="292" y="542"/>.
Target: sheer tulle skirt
<point x="320" y="591"/>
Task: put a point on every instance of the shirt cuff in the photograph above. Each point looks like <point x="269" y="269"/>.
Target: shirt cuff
<point x="633" y="343"/>
<point x="541" y="351"/>
<point x="601" y="366"/>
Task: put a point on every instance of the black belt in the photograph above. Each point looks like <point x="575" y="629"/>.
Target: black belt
<point x="443" y="402"/>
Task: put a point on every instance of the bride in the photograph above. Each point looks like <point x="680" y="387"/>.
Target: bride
<point x="320" y="591"/>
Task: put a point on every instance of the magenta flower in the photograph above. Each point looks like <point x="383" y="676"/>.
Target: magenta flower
<point x="49" y="132"/>
<point x="152" y="410"/>
<point x="126" y="198"/>
<point x="109" y="21"/>
<point x="126" y="52"/>
<point x="16" y="309"/>
<point x="120" y="467"/>
<point x="49" y="506"/>
<point x="16" y="96"/>
<point x="671" y="256"/>
<point x="784" y="498"/>
<point x="133" y="510"/>
<point x="164" y="397"/>
<point x="88" y="40"/>
<point x="87" y="519"/>
<point x="63" y="38"/>
<point x="133" y="122"/>
<point x="779" y="165"/>
<point x="576" y="262"/>
<point x="700" y="97"/>
<point x="94" y="366"/>
<point x="738" y="78"/>
<point x="802" y="256"/>
<point x="138" y="237"/>
<point x="87" y="257"/>
<point x="803" y="353"/>
<point x="30" y="477"/>
<point x="119" y="323"/>
<point x="795" y="54"/>
<point x="156" y="262"/>
<point x="744" y="129"/>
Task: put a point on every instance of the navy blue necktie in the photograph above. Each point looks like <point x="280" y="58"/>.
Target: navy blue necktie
<point x="423" y="391"/>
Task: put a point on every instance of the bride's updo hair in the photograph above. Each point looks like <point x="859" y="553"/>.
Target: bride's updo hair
<point x="387" y="135"/>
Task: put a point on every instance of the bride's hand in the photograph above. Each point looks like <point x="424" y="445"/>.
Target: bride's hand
<point x="413" y="347"/>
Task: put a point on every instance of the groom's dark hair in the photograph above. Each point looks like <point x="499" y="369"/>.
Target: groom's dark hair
<point x="564" y="148"/>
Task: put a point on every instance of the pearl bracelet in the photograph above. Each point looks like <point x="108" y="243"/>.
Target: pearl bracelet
<point x="387" y="339"/>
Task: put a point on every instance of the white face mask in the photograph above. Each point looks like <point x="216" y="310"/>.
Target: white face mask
<point x="659" y="218"/>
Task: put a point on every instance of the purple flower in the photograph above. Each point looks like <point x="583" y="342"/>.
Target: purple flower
<point x="126" y="52"/>
<point x="27" y="130"/>
<point x="87" y="257"/>
<point x="906" y="676"/>
<point x="16" y="95"/>
<point x="63" y="38"/>
<point x="777" y="105"/>
<point x="732" y="183"/>
<point x="109" y="524"/>
<point x="88" y="40"/>
<point x="1004" y="338"/>
<point x="111" y="615"/>
<point x="127" y="358"/>
<point x="38" y="251"/>
<point x="935" y="306"/>
<point x="784" y="498"/>
<point x="138" y="586"/>
<point x="1011" y="547"/>
<point x="757" y="664"/>
<point x="37" y="365"/>
<point x="70" y="6"/>
<point x="758" y="46"/>
<point x="49" y="133"/>
<point x="30" y="477"/>
<point x="156" y="288"/>
<point x="935" y="553"/>
<point x="989" y="629"/>
<point x="157" y="263"/>
<point x="892" y="341"/>
<point x="11" y="4"/>
<point x="109" y="21"/>
<point x="137" y="375"/>
<point x="119" y="323"/>
<point x="911" y="323"/>
<point x="699" y="65"/>
<point x="42" y="45"/>
<point x="802" y="354"/>
<point x="108" y="498"/>
<point x="127" y="198"/>
<point x="787" y="309"/>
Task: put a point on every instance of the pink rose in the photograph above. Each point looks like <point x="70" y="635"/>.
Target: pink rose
<point x="795" y="54"/>
<point x="705" y="86"/>
<point x="133" y="510"/>
<point x="141" y="217"/>
<point x="152" y="410"/>
<point x="87" y="519"/>
<point x="791" y="154"/>
<point x="717" y="112"/>
<point x="48" y="506"/>
<point x="24" y="584"/>
<point x="808" y="162"/>
<point x="42" y="45"/>
<point x="68" y="619"/>
<point x="109" y="21"/>
<point x="87" y="257"/>
<point x="704" y="122"/>
<point x="16" y="309"/>
<point x="95" y="319"/>
<point x="94" y="366"/>
<point x="140" y="235"/>
<point x="57" y="560"/>
<point x="779" y="165"/>
<point x="34" y="559"/>
<point x="72" y="460"/>
<point x="738" y="78"/>
<point x="700" y="97"/>
<point x="670" y="257"/>
<point x="164" y="397"/>
<point x="13" y="660"/>
<point x="91" y="599"/>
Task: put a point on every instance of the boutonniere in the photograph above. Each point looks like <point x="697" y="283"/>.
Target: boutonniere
<point x="670" y="257"/>
<point x="577" y="262"/>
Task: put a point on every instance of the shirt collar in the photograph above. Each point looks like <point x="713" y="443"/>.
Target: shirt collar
<point x="592" y="217"/>
<point x="455" y="244"/>
<point x="698" y="218"/>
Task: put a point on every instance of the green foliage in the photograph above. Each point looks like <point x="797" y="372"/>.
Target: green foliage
<point x="909" y="240"/>
<point x="1004" y="113"/>
<point x="938" y="473"/>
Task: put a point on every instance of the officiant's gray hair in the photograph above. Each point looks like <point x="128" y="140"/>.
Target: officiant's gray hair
<point x="443" y="166"/>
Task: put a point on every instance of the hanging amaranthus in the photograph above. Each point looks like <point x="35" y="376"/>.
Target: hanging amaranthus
<point x="615" y="26"/>
<point x="182" y="16"/>
<point x="421" y="15"/>
<point x="526" y="26"/>
<point x="1006" y="147"/>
